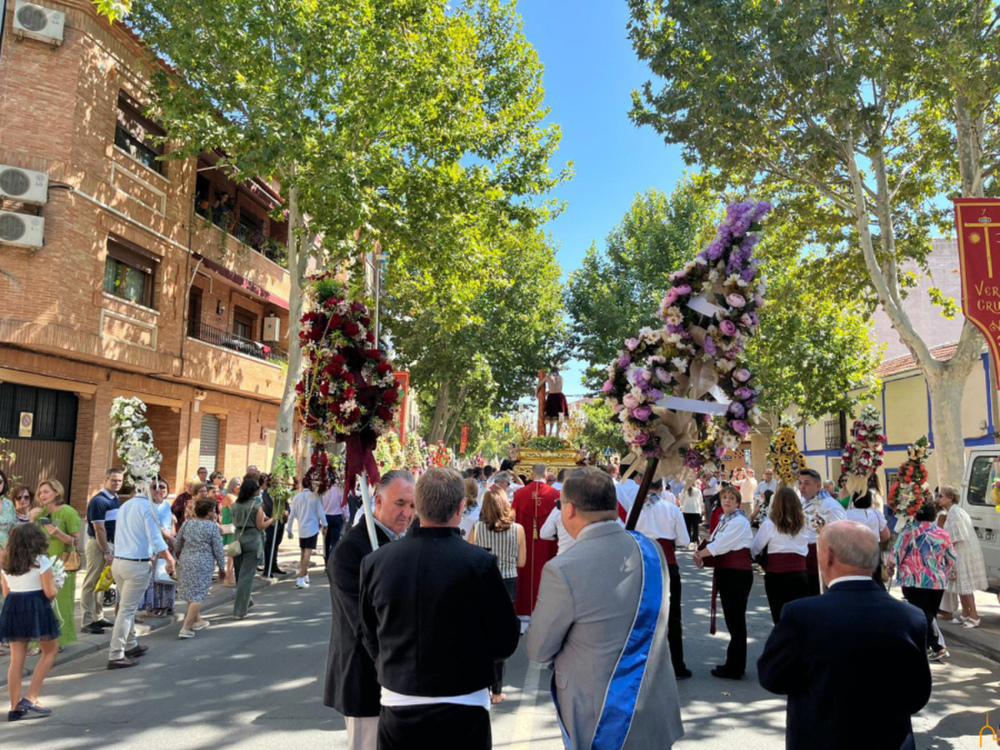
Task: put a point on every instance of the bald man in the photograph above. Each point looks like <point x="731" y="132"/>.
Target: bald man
<point x="825" y="649"/>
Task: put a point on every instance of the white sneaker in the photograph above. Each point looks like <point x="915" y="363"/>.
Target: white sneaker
<point x="200" y="625"/>
<point x="307" y="578"/>
<point x="185" y="634"/>
<point x="305" y="583"/>
<point x="300" y="583"/>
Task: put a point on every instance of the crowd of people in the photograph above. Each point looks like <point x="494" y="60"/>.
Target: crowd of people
<point x="491" y="555"/>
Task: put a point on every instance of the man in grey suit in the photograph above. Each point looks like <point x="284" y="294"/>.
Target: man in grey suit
<point x="612" y="690"/>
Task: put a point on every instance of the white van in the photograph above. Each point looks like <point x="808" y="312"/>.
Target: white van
<point x="980" y="475"/>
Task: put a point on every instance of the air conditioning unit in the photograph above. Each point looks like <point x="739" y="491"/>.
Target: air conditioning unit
<point x="21" y="229"/>
<point x="272" y="329"/>
<point x="23" y="184"/>
<point x="38" y="22"/>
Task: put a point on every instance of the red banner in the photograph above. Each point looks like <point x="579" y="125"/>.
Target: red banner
<point x="978" y="224"/>
<point x="465" y="439"/>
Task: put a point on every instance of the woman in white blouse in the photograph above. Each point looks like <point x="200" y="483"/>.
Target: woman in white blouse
<point x="969" y="573"/>
<point x="692" y="502"/>
<point x="861" y="510"/>
<point x="728" y="551"/>
<point x="780" y="534"/>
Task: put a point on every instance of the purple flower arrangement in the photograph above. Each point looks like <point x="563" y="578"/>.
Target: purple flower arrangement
<point x="657" y="362"/>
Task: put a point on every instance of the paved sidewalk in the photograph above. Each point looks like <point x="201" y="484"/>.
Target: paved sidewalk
<point x="986" y="638"/>
<point x="218" y="596"/>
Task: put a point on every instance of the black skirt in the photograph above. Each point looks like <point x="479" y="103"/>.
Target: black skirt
<point x="28" y="616"/>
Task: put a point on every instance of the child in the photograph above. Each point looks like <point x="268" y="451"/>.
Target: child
<point x="28" y="588"/>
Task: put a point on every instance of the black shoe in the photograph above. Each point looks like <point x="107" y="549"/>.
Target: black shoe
<point x="726" y="674"/>
<point x="682" y="674"/>
<point x="18" y="714"/>
<point x="104" y="622"/>
<point x="280" y="572"/>
<point x="93" y="628"/>
<point x="123" y="663"/>
<point x="135" y="653"/>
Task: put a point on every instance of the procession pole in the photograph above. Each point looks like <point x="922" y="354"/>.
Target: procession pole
<point x="366" y="502"/>
<point x="640" y="498"/>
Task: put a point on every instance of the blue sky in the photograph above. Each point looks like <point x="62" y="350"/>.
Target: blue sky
<point x="590" y="72"/>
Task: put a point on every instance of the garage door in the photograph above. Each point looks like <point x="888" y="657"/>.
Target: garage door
<point x="209" y="442"/>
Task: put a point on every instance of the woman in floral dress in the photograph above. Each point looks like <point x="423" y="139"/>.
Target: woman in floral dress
<point x="198" y="547"/>
<point x="924" y="557"/>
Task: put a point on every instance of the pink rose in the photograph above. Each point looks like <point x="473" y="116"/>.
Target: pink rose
<point x="645" y="374"/>
<point x="642" y="413"/>
<point x="607" y="386"/>
<point x="683" y="290"/>
<point x="670" y="299"/>
<point x="641" y="439"/>
<point x="742" y="375"/>
<point x="739" y="426"/>
<point x="632" y="344"/>
<point x="630" y="401"/>
<point x="736" y="300"/>
<point x="727" y="327"/>
<point x="617" y="408"/>
<point x="662" y="375"/>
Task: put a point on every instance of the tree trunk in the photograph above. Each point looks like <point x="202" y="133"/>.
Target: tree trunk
<point x="440" y="413"/>
<point x="455" y="414"/>
<point x="298" y="260"/>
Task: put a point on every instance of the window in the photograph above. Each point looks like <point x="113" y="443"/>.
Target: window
<point x="129" y="272"/>
<point x="137" y="134"/>
<point x="981" y="479"/>
<point x="244" y="324"/>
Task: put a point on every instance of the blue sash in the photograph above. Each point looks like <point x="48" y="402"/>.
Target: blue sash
<point x="623" y="690"/>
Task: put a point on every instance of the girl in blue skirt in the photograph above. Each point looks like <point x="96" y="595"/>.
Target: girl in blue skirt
<point x="27" y="615"/>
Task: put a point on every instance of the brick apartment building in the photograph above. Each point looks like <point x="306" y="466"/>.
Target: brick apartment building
<point x="161" y="280"/>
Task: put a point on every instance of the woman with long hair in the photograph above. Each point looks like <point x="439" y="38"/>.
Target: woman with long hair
<point x="249" y="519"/>
<point x="692" y="502"/>
<point x="861" y="510"/>
<point x="780" y="534"/>
<point x="924" y="557"/>
<point x="496" y="532"/>
<point x="227" y="526"/>
<point x="62" y="525"/>
<point x="28" y="615"/>
<point x="969" y="574"/>
<point x="728" y="552"/>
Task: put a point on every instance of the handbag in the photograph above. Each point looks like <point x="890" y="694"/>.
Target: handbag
<point x="228" y="528"/>
<point x="71" y="561"/>
<point x="161" y="575"/>
<point x="234" y="548"/>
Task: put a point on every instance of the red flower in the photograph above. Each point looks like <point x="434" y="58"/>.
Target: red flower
<point x="333" y="370"/>
<point x="349" y="392"/>
<point x="365" y="321"/>
<point x="324" y="388"/>
<point x="383" y="367"/>
<point x="370" y="337"/>
<point x="374" y="354"/>
<point x="351" y="328"/>
<point x="336" y="322"/>
<point x="356" y="414"/>
<point x="348" y="377"/>
<point x="384" y="413"/>
<point x="300" y="387"/>
<point x="391" y="396"/>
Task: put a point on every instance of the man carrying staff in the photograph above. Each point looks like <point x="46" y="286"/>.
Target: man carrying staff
<point x="602" y="617"/>
<point x="532" y="505"/>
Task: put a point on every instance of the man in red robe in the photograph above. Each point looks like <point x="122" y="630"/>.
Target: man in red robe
<point x="532" y="505"/>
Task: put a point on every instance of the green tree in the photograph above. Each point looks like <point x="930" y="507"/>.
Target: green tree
<point x="617" y="291"/>
<point x="602" y="430"/>
<point x="375" y="117"/>
<point x="853" y="109"/>
<point x="475" y="359"/>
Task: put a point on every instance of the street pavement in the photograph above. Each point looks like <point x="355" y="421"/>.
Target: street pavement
<point x="257" y="683"/>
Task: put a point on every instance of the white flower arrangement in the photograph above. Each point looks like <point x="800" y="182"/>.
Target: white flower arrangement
<point x="58" y="572"/>
<point x="140" y="458"/>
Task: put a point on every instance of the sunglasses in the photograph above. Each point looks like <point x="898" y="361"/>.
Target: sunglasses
<point x="23" y="497"/>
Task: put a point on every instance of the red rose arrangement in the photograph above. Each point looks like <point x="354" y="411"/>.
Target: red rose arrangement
<point x="347" y="391"/>
<point x="863" y="453"/>
<point x="322" y="469"/>
<point x="910" y="489"/>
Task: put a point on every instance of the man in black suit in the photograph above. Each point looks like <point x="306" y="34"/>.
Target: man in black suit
<point x="826" y="651"/>
<point x="351" y="683"/>
<point x="436" y="615"/>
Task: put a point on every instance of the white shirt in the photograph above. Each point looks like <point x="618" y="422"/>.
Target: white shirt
<point x="732" y="533"/>
<point x="333" y="500"/>
<point x="777" y="543"/>
<point x="469" y="518"/>
<point x="821" y="507"/>
<point x="870" y="518"/>
<point x="30" y="581"/>
<point x="626" y="492"/>
<point x="553" y="529"/>
<point x="479" y="698"/>
<point x="557" y="486"/>
<point x="843" y="579"/>
<point x="307" y="509"/>
<point x="713" y="488"/>
<point x="661" y="519"/>
<point x="137" y="530"/>
<point x="763" y="487"/>
<point x="692" y="500"/>
<point x="747" y="487"/>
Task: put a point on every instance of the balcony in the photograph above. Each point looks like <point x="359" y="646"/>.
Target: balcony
<point x="232" y="342"/>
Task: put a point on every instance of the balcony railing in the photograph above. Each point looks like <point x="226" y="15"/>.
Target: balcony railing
<point x="225" y="339"/>
<point x="224" y="218"/>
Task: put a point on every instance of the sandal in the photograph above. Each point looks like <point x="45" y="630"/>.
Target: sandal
<point x="496" y="698"/>
<point x="34" y="651"/>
